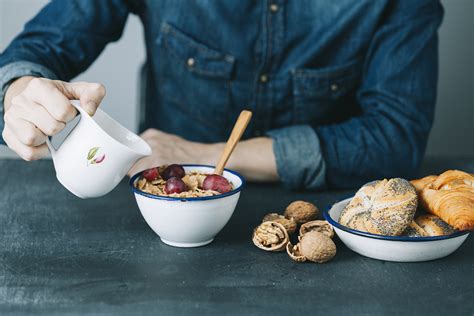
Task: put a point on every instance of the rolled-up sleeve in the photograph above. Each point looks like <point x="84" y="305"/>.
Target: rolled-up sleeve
<point x="397" y="100"/>
<point x="62" y="40"/>
<point x="299" y="160"/>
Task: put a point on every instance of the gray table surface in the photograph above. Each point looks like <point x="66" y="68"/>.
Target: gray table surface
<point x="61" y="254"/>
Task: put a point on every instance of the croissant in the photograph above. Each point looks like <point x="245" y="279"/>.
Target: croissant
<point x="449" y="196"/>
<point x="384" y="207"/>
<point x="420" y="184"/>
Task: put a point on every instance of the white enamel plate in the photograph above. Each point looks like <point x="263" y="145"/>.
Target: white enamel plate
<point x="393" y="248"/>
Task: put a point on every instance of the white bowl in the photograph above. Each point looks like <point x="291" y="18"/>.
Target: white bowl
<point x="189" y="222"/>
<point x="393" y="248"/>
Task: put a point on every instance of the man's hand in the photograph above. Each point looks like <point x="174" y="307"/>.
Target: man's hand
<point x="168" y="149"/>
<point x="36" y="108"/>
<point x="253" y="158"/>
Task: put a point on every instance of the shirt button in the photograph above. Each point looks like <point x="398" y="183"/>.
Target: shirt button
<point x="274" y="7"/>
<point x="334" y="87"/>
<point x="190" y="62"/>
<point x="263" y="78"/>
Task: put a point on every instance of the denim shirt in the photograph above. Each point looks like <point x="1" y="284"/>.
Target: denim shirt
<point x="346" y="89"/>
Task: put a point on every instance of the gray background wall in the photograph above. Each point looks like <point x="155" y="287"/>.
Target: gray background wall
<point x="117" y="69"/>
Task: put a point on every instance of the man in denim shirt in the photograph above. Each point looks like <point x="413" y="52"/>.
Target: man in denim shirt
<point x="342" y="91"/>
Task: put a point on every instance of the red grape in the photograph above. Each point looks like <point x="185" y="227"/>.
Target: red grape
<point x="150" y="174"/>
<point x="173" y="170"/>
<point x="217" y="183"/>
<point x="175" y="185"/>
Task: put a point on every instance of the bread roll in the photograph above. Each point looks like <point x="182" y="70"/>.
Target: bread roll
<point x="358" y="221"/>
<point x="414" y="230"/>
<point x="356" y="213"/>
<point x="384" y="207"/>
<point x="433" y="225"/>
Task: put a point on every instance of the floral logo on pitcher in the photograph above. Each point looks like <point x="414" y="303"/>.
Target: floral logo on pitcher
<point x="94" y="157"/>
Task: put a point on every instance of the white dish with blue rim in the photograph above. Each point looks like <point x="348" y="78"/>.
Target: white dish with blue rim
<point x="189" y="222"/>
<point x="393" y="248"/>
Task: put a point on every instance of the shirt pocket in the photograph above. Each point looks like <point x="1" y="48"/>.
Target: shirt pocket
<point x="194" y="78"/>
<point x="319" y="94"/>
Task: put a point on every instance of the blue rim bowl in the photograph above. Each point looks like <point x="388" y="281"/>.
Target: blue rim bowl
<point x="189" y="199"/>
<point x="336" y="224"/>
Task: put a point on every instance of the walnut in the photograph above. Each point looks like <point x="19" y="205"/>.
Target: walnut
<point x="319" y="226"/>
<point x="270" y="236"/>
<point x="301" y="211"/>
<point x="294" y="252"/>
<point x="317" y="247"/>
<point x="289" y="224"/>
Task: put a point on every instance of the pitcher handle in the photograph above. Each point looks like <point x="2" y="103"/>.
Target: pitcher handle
<point x="52" y="150"/>
<point x="84" y="115"/>
<point x="77" y="105"/>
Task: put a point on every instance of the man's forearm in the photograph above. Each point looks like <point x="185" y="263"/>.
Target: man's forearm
<point x="254" y="159"/>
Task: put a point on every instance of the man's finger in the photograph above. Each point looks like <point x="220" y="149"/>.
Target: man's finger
<point x="149" y="133"/>
<point x="89" y="94"/>
<point x="28" y="153"/>
<point x="24" y="131"/>
<point x="47" y="94"/>
<point x="39" y="117"/>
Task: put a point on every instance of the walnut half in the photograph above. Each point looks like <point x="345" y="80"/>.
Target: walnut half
<point x="270" y="236"/>
<point x="318" y="226"/>
<point x="288" y="223"/>
<point x="294" y="252"/>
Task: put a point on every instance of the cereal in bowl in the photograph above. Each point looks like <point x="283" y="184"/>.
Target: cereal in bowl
<point x="173" y="181"/>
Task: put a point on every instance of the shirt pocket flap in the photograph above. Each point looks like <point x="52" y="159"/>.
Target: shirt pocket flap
<point x="196" y="56"/>
<point x="332" y="82"/>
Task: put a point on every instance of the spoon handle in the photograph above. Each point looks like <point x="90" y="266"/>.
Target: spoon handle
<point x="237" y="131"/>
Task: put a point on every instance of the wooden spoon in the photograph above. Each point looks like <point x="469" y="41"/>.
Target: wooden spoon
<point x="237" y="131"/>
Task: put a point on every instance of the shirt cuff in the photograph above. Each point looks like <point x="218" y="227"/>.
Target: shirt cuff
<point x="299" y="159"/>
<point x="12" y="71"/>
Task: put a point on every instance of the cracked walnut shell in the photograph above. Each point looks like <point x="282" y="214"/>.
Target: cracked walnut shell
<point x="317" y="247"/>
<point x="318" y="226"/>
<point x="301" y="211"/>
<point x="270" y="236"/>
<point x="288" y="223"/>
<point x="294" y="252"/>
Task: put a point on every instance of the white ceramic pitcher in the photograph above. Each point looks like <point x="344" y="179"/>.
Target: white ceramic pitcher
<point x="96" y="154"/>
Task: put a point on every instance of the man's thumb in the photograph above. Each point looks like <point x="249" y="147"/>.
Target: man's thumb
<point x="89" y="94"/>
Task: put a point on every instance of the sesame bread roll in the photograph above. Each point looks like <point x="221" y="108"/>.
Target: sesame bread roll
<point x="384" y="207"/>
<point x="433" y="225"/>
<point x="414" y="230"/>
